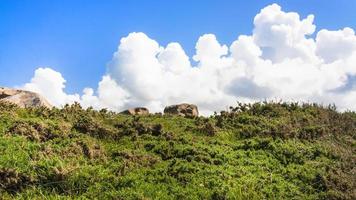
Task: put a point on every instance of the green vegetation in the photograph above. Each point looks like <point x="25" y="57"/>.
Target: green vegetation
<point x="254" y="151"/>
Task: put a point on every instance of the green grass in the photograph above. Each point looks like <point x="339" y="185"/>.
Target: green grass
<point x="254" y="151"/>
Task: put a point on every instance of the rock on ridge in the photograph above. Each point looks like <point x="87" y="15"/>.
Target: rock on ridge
<point x="184" y="109"/>
<point x="23" y="98"/>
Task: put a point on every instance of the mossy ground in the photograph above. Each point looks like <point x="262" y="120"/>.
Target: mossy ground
<point x="254" y="151"/>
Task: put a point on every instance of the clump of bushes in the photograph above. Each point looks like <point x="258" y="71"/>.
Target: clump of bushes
<point x="206" y="126"/>
<point x="92" y="151"/>
<point x="12" y="181"/>
<point x="134" y="127"/>
<point x="132" y="158"/>
<point x="89" y="125"/>
<point x="286" y="120"/>
<point x="252" y="151"/>
<point x="38" y="131"/>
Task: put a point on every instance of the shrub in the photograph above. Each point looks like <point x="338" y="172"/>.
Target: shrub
<point x="253" y="151"/>
<point x="38" y="131"/>
<point x="12" y="181"/>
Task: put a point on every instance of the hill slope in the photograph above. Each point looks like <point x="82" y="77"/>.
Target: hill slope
<point x="264" y="150"/>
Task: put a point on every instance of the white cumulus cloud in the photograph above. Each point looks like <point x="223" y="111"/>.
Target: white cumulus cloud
<point x="280" y="60"/>
<point x="51" y="85"/>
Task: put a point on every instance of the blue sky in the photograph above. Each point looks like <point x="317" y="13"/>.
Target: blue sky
<point x="78" y="37"/>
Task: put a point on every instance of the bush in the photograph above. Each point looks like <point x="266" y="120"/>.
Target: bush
<point x="253" y="151"/>
<point x="38" y="131"/>
<point x="13" y="181"/>
<point x="284" y="120"/>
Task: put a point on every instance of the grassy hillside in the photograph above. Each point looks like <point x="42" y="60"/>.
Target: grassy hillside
<point x="257" y="151"/>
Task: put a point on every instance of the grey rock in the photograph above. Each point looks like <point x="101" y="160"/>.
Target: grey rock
<point x="23" y="98"/>
<point x="184" y="109"/>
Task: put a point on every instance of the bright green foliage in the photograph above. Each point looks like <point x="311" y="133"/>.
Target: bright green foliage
<point x="254" y="151"/>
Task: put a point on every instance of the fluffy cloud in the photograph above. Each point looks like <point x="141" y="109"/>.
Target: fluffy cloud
<point x="335" y="45"/>
<point x="50" y="84"/>
<point x="283" y="35"/>
<point x="110" y="95"/>
<point x="280" y="60"/>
